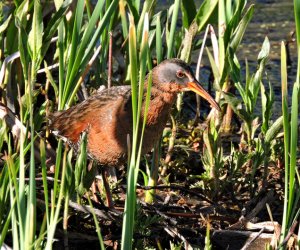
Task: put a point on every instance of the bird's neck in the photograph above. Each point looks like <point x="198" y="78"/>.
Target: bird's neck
<point x="167" y="96"/>
<point x="159" y="106"/>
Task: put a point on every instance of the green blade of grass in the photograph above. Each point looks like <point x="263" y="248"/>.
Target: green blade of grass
<point x="170" y="40"/>
<point x="53" y="25"/>
<point x="21" y="22"/>
<point x="188" y="9"/>
<point x="123" y="18"/>
<point x="137" y="106"/>
<point x="286" y="137"/>
<point x="204" y="13"/>
<point x="61" y="70"/>
<point x="297" y="21"/>
<point x="143" y="68"/>
<point x="222" y="25"/>
<point x="293" y="149"/>
<point x="158" y="35"/>
<point x="134" y="75"/>
<point x="148" y="6"/>
<point x="54" y="219"/>
<point x="274" y="130"/>
<point x="36" y="35"/>
<point x="5" y="24"/>
<point x="86" y="48"/>
<point x="31" y="203"/>
<point x="5" y="227"/>
<point x="56" y="174"/>
<point x="240" y="31"/>
<point x="129" y="210"/>
<point x="98" y="230"/>
<point x="34" y="47"/>
<point x="44" y="176"/>
<point x="75" y="38"/>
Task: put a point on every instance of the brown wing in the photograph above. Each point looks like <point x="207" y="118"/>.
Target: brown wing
<point x="72" y="122"/>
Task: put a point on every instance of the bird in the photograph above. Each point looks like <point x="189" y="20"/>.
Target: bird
<point x="106" y="117"/>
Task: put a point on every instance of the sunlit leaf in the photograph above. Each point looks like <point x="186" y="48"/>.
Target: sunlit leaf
<point x="274" y="130"/>
<point x="5" y="24"/>
<point x="188" y="10"/>
<point x="204" y="13"/>
<point x="240" y="31"/>
<point x="35" y="38"/>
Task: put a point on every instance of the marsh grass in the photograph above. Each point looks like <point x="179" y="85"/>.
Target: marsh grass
<point x="75" y="40"/>
<point x="290" y="127"/>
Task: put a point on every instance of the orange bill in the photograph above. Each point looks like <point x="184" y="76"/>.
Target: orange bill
<point x="198" y="89"/>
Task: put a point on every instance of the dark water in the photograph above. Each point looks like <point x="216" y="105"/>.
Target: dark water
<point x="274" y="19"/>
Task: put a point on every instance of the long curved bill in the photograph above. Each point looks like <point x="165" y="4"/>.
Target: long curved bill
<point x="198" y="89"/>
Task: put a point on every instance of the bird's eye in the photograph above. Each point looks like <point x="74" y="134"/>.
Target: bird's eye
<point x="180" y="74"/>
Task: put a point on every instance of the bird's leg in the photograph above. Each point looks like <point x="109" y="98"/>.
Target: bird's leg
<point x="111" y="173"/>
<point x="108" y="194"/>
<point x="94" y="190"/>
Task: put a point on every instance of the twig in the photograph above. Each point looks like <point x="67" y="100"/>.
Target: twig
<point x="109" y="61"/>
<point x="41" y="179"/>
<point x="89" y="65"/>
<point x="88" y="210"/>
<point x="43" y="70"/>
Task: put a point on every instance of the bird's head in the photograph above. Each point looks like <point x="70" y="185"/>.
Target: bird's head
<point x="174" y="75"/>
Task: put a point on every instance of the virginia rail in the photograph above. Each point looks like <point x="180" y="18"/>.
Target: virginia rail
<point x="107" y="115"/>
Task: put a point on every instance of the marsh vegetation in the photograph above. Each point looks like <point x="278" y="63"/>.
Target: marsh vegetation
<point x="215" y="180"/>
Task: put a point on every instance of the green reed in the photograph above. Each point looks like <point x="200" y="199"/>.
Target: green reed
<point x="290" y="126"/>
<point x="147" y="35"/>
<point x="137" y="138"/>
<point x="33" y="47"/>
